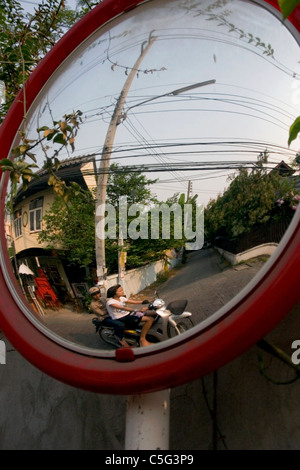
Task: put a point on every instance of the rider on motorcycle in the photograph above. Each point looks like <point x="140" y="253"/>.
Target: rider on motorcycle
<point x="98" y="306"/>
<point x="118" y="311"/>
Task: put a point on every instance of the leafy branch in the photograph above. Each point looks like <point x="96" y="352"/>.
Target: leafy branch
<point x="127" y="68"/>
<point x="24" y="40"/>
<point x="232" y="28"/>
<point x="63" y="134"/>
<point x="287" y="7"/>
<point x="249" y="37"/>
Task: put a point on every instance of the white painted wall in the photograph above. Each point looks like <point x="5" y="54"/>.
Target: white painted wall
<point x="265" y="249"/>
<point x="137" y="279"/>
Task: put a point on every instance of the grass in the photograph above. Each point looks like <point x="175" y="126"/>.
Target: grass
<point x="258" y="259"/>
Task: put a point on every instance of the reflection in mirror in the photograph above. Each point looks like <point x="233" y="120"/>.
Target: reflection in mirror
<point x="182" y="104"/>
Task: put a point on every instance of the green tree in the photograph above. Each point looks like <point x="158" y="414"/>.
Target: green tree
<point x="145" y="248"/>
<point x="62" y="135"/>
<point x="143" y="251"/>
<point x="69" y="227"/>
<point x="26" y="38"/>
<point x="287" y="7"/>
<point x="136" y="187"/>
<point x="132" y="184"/>
<point x="253" y="197"/>
<point x="297" y="161"/>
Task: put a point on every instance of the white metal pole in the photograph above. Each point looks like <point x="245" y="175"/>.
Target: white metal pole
<point x="147" y="421"/>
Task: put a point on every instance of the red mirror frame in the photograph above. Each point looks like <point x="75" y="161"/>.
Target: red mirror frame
<point x="248" y="320"/>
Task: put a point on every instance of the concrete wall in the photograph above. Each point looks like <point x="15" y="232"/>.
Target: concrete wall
<point x="38" y="412"/>
<point x="265" y="249"/>
<point x="137" y="279"/>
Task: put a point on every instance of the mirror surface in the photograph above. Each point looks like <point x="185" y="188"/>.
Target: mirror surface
<point x="210" y="89"/>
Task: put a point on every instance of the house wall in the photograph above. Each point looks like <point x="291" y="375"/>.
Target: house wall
<point x="89" y="174"/>
<point x="29" y="239"/>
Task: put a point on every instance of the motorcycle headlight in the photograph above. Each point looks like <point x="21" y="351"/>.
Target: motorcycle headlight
<point x="158" y="303"/>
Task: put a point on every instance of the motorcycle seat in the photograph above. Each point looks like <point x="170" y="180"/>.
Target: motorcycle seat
<point x="177" y="307"/>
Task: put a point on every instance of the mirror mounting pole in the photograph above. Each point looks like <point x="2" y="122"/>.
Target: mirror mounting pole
<point x="147" y="421"/>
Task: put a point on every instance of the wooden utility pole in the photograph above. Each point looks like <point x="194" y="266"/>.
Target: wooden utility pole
<point x="189" y="191"/>
<point x="105" y="163"/>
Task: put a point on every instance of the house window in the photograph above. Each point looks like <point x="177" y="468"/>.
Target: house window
<point x="35" y="214"/>
<point x="18" y="223"/>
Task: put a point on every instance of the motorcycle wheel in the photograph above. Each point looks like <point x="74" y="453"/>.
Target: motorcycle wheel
<point x="108" y="336"/>
<point x="184" y="324"/>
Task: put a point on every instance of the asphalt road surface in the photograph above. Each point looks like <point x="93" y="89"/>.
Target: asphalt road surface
<point x="207" y="282"/>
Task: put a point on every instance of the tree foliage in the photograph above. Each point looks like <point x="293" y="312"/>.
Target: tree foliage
<point x="26" y="38"/>
<point x="62" y="136"/>
<point x="136" y="187"/>
<point x="132" y="184"/>
<point x="253" y="197"/>
<point x="70" y="227"/>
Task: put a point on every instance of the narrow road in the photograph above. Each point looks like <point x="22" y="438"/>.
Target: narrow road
<point x="207" y="282"/>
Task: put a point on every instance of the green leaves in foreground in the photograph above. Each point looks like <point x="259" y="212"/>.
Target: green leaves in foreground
<point x="294" y="130"/>
<point x="19" y="169"/>
<point x="287" y="6"/>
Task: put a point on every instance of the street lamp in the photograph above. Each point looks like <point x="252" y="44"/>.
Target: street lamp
<point x="118" y="116"/>
<point x="170" y="93"/>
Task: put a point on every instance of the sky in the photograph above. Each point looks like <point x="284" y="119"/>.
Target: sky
<point x="198" y="135"/>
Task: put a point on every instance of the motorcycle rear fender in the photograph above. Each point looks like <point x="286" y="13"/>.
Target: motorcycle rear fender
<point x="172" y="320"/>
<point x="182" y="315"/>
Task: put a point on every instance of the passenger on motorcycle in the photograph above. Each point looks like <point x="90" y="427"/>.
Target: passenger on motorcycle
<point x="98" y="306"/>
<point x="118" y="311"/>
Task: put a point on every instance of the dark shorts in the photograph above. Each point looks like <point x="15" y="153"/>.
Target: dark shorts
<point x="131" y="321"/>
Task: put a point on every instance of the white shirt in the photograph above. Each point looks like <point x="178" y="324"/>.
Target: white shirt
<point x="116" y="312"/>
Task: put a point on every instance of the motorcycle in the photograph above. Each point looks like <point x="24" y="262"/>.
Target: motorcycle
<point x="169" y="321"/>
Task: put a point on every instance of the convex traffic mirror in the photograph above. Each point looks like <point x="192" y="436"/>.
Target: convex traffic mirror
<point x="192" y="97"/>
